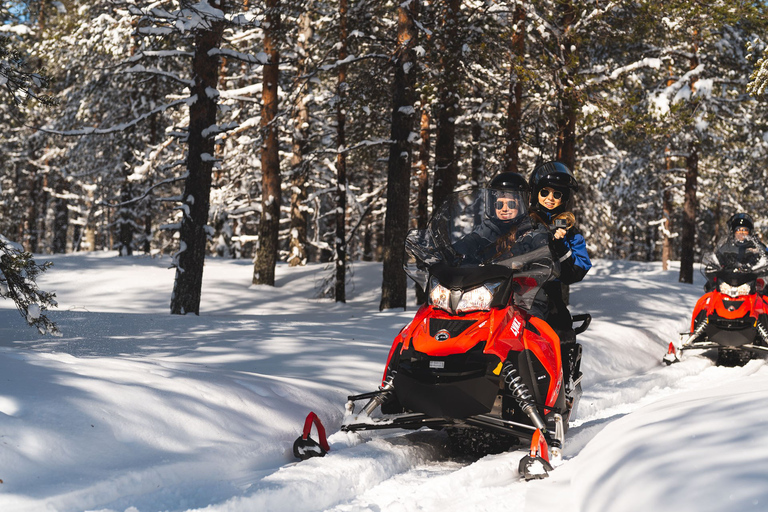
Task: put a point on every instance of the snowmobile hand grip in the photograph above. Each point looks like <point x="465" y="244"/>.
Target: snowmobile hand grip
<point x="586" y="318"/>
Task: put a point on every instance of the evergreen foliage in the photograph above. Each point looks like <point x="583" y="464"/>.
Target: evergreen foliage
<point x="627" y="92"/>
<point x="18" y="276"/>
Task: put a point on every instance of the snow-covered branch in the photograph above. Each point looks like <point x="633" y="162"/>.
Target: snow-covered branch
<point x="120" y="127"/>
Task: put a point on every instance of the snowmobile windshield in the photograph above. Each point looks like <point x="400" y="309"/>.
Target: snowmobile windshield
<point x="737" y="260"/>
<point x="476" y="236"/>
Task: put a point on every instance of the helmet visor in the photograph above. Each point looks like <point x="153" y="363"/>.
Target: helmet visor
<point x="506" y="205"/>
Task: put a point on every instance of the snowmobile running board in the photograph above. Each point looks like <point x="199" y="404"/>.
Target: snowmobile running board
<point x="418" y="420"/>
<point x="671" y="356"/>
<point x="710" y="344"/>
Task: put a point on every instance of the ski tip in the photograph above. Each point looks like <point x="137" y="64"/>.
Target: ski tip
<point x="671" y="356"/>
<point x="534" y="468"/>
<point x="305" y="447"/>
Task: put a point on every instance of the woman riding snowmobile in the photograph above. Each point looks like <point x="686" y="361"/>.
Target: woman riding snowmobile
<point x="474" y="360"/>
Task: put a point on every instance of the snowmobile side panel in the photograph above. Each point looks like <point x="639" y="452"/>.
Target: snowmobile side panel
<point x="546" y="348"/>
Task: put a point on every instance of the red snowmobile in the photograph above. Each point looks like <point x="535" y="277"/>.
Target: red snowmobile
<point x="474" y="361"/>
<point x="732" y="317"/>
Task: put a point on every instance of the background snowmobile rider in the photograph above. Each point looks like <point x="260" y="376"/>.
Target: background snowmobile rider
<point x="739" y="249"/>
<point x="552" y="187"/>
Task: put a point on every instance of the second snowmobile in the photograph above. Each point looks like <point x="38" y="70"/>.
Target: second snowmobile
<point x="732" y="316"/>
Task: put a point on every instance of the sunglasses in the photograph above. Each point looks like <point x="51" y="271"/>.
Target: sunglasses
<point x="555" y="193"/>
<point x="509" y="203"/>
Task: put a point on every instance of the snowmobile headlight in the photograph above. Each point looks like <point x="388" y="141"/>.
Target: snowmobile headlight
<point x="477" y="298"/>
<point x="735" y="291"/>
<point x="440" y="296"/>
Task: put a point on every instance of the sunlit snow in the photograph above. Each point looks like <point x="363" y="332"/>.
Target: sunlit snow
<point x="134" y="409"/>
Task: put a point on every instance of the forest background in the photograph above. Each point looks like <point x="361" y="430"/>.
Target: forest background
<point x="321" y="130"/>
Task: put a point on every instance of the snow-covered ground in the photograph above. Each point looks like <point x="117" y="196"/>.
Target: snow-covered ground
<point x="134" y="409"/>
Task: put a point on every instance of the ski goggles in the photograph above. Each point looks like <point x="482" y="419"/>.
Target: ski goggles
<point x="555" y="193"/>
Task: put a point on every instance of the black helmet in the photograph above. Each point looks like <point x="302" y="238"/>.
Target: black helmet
<point x="552" y="174"/>
<point x="510" y="185"/>
<point x="509" y="181"/>
<point x="741" y="220"/>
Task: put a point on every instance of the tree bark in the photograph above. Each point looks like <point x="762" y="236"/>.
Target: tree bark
<point x="269" y="227"/>
<point x="477" y="155"/>
<point x="394" y="285"/>
<point x="61" y="216"/>
<point x="514" y="111"/>
<point x="666" y="221"/>
<point x="446" y="166"/>
<point x="125" y="222"/>
<point x="340" y="293"/>
<point x="299" y="192"/>
<point x="197" y="187"/>
<point x="666" y="246"/>
<point x="422" y="199"/>
<point x="690" y="205"/>
<point x="566" y="119"/>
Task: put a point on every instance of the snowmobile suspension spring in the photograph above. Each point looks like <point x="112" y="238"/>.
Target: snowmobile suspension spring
<point x="763" y="332"/>
<point x="519" y="390"/>
<point x="385" y="390"/>
<point x="699" y="329"/>
<point x="515" y="383"/>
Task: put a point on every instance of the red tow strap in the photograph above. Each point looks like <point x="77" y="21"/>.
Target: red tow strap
<point x="312" y="418"/>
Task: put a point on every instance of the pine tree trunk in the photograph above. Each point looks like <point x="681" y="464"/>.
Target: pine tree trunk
<point x="340" y="293"/>
<point x="35" y="202"/>
<point x="566" y="119"/>
<point x="666" y="226"/>
<point x="422" y="199"/>
<point x="61" y="217"/>
<point x="394" y="286"/>
<point x="197" y="188"/>
<point x="266" y="255"/>
<point x="666" y="247"/>
<point x="514" y="111"/>
<point x="477" y="155"/>
<point x="690" y="204"/>
<point x="299" y="191"/>
<point x="125" y="222"/>
<point x="422" y="180"/>
<point x="446" y="166"/>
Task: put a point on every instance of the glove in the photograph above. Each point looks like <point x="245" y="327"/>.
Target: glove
<point x="559" y="249"/>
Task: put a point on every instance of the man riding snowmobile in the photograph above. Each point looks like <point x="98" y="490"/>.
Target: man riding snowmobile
<point x="741" y="248"/>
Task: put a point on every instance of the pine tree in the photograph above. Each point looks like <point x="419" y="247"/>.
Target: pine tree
<point x="18" y="276"/>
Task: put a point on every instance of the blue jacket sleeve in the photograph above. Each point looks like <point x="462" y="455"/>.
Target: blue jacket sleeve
<point x="575" y="262"/>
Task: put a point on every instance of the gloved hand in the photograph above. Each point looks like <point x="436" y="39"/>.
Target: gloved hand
<point x="559" y="249"/>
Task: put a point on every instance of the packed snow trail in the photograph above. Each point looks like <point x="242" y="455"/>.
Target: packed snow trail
<point x="137" y="410"/>
<point x="414" y="472"/>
